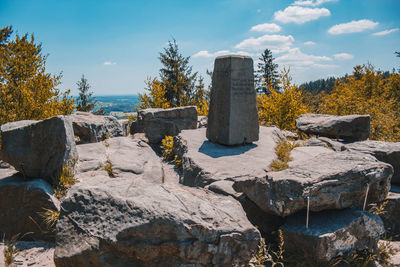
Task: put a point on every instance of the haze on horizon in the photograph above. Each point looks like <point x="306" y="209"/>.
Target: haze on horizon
<point x="116" y="44"/>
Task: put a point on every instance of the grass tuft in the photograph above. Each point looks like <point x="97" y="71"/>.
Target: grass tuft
<point x="167" y="147"/>
<point x="66" y="180"/>
<point x="282" y="151"/>
<point x="50" y="218"/>
<point x="108" y="167"/>
<point x="267" y="257"/>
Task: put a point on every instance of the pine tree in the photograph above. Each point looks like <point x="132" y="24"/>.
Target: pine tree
<point x="177" y="85"/>
<point x="27" y="92"/>
<point x="267" y="72"/>
<point x="85" y="101"/>
<point x="177" y="76"/>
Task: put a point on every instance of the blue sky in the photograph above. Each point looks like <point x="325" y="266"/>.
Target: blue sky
<point x="116" y="43"/>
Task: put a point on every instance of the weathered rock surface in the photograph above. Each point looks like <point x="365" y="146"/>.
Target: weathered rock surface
<point x="157" y="123"/>
<point x="233" y="116"/>
<point x="21" y="202"/>
<point x="202" y="121"/>
<point x="38" y="149"/>
<point x="125" y="222"/>
<point x="333" y="180"/>
<point x="127" y="157"/>
<point x="92" y="157"/>
<point x="34" y="253"/>
<point x="332" y="233"/>
<point x="391" y="214"/>
<point x="315" y="142"/>
<point x="92" y="128"/>
<point x="350" y="127"/>
<point x="388" y="152"/>
<point x="205" y="162"/>
<point x="126" y="126"/>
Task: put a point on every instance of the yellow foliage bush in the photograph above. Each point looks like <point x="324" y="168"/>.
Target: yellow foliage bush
<point x="27" y="92"/>
<point x="156" y="96"/>
<point x="281" y="108"/>
<point x="368" y="92"/>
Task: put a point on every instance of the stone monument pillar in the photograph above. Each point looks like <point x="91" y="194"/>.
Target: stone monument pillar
<point x="233" y="116"/>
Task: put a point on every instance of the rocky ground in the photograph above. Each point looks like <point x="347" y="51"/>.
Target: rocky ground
<point x="132" y="208"/>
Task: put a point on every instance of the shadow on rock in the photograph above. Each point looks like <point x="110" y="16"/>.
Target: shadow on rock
<point x="217" y="151"/>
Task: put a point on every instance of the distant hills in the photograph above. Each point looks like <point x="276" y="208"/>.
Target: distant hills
<point x="117" y="105"/>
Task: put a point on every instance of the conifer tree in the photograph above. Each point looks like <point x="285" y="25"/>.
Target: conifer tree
<point x="177" y="76"/>
<point x="85" y="101"/>
<point x="27" y="92"/>
<point x="267" y="72"/>
<point x="177" y="85"/>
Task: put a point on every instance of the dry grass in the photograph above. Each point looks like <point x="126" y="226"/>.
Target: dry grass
<point x="267" y="257"/>
<point x="50" y="218"/>
<point x="167" y="148"/>
<point x="108" y="167"/>
<point x="282" y="151"/>
<point x="11" y="250"/>
<point x="66" y="180"/>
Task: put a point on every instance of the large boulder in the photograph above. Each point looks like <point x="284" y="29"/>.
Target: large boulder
<point x="391" y="212"/>
<point x="124" y="156"/>
<point x="156" y="123"/>
<point x="331" y="234"/>
<point x="90" y="128"/>
<point x="39" y="149"/>
<point x="125" y="222"/>
<point x="333" y="180"/>
<point x="205" y="162"/>
<point x="388" y="152"/>
<point x="21" y="203"/>
<point x="350" y="127"/>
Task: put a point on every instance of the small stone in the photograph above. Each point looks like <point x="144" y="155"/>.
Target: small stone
<point x="233" y="116"/>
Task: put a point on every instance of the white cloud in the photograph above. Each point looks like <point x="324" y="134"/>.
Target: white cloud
<point x="385" y="32"/>
<point x="353" y="26"/>
<point x="259" y="10"/>
<point x="276" y="43"/>
<point x="298" y="59"/>
<point x="343" y="56"/>
<point x="266" y="27"/>
<point x="300" y="15"/>
<point x="309" y="43"/>
<point x="207" y="54"/>
<point x="109" y="63"/>
<point x="311" y="3"/>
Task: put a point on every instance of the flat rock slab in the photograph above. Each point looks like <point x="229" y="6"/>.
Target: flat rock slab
<point x="388" y="152"/>
<point x="21" y="203"/>
<point x="350" y="127"/>
<point x="92" y="128"/>
<point x="205" y="162"/>
<point x="38" y="149"/>
<point x="333" y="180"/>
<point x="125" y="222"/>
<point x="332" y="233"/>
<point x="157" y="123"/>
<point x="128" y="157"/>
